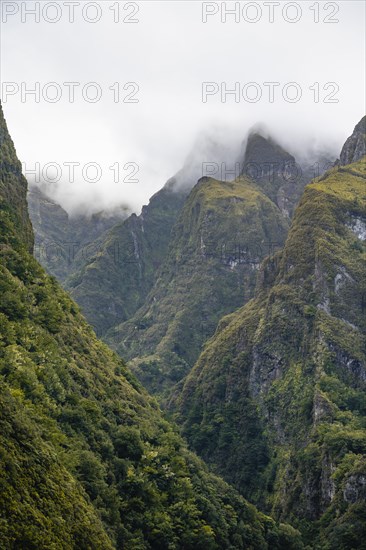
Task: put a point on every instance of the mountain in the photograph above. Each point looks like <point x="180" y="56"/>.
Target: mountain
<point x="275" y="171"/>
<point x="117" y="278"/>
<point x="86" y="458"/>
<point x="355" y="147"/>
<point x="63" y="244"/>
<point x="276" y="401"/>
<point x="114" y="281"/>
<point x="223" y="232"/>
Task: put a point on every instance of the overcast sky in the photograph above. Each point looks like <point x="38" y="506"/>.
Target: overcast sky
<point x="167" y="50"/>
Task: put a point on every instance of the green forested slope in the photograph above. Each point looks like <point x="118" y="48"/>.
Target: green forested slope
<point x="86" y="459"/>
<point x="114" y="281"/>
<point x="223" y="233"/>
<point x="276" y="402"/>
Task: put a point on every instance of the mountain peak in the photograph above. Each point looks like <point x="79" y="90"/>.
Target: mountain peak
<point x="274" y="170"/>
<point x="355" y="146"/>
<point x="262" y="150"/>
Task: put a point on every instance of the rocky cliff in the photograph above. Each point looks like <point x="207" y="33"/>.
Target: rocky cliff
<point x="276" y="402"/>
<point x="355" y="147"/>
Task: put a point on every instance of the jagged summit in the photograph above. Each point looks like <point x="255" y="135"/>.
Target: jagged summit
<point x="275" y="170"/>
<point x="275" y="402"/>
<point x="355" y="146"/>
<point x="262" y="150"/>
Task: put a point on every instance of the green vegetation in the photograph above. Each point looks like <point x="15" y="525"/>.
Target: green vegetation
<point x="276" y="401"/>
<point x="86" y="458"/>
<point x="64" y="244"/>
<point x="223" y="233"/>
<point x="114" y="281"/>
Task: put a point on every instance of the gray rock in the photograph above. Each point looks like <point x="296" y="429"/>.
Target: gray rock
<point x="355" y="147"/>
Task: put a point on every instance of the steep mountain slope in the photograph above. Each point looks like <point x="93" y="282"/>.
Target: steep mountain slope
<point x="63" y="244"/>
<point x="111" y="277"/>
<point x="355" y="146"/>
<point x="86" y="459"/>
<point x="275" y="171"/>
<point x="223" y="233"/>
<point x="112" y="282"/>
<point x="276" y="402"/>
<point x="15" y="226"/>
<point x="115" y="280"/>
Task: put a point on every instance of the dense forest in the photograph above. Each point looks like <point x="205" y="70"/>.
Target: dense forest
<point x="244" y="312"/>
<point x="86" y="458"/>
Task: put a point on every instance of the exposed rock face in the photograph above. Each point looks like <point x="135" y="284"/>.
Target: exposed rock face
<point x="223" y="233"/>
<point x="358" y="226"/>
<point x="63" y="244"/>
<point x="322" y="408"/>
<point x="275" y="170"/>
<point x="355" y="488"/>
<point x="294" y="353"/>
<point x="114" y="281"/>
<point x="264" y="154"/>
<point x="355" y="147"/>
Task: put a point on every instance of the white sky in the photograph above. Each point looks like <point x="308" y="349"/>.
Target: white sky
<point x="169" y="52"/>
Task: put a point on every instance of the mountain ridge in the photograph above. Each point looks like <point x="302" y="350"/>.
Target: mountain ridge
<point x="64" y="243"/>
<point x="218" y="241"/>
<point x="86" y="458"/>
<point x="275" y="403"/>
<point x="216" y="247"/>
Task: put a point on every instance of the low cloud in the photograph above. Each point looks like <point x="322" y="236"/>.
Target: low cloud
<point x="162" y="62"/>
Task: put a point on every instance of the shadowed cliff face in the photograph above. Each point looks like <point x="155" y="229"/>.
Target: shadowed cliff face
<point x="114" y="282"/>
<point x="276" y="402"/>
<point x="15" y="223"/>
<point x="355" y="147"/>
<point x="276" y="171"/>
<point x="64" y="244"/>
<point x="224" y="231"/>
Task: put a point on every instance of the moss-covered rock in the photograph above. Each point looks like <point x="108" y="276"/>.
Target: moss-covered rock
<point x="223" y="233"/>
<point x="114" y="280"/>
<point x="276" y="402"/>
